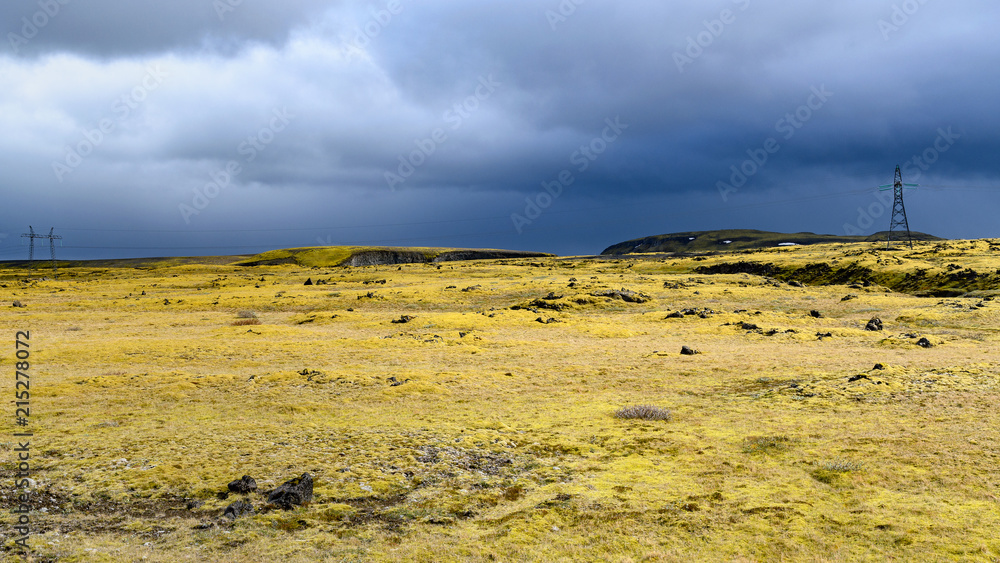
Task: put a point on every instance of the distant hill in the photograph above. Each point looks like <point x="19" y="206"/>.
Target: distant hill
<point x="737" y="239"/>
<point x="314" y="256"/>
<point x="377" y="255"/>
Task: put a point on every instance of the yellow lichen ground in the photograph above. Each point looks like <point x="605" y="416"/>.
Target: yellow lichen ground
<point x="501" y="442"/>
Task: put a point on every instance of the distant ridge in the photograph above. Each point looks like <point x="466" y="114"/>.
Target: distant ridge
<point x="375" y="255"/>
<point x="737" y="239"/>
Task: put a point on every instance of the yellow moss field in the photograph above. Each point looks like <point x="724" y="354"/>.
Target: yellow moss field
<point x="480" y="425"/>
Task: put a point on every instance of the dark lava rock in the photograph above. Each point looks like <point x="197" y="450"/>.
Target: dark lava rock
<point x="238" y="509"/>
<point x="849" y="297"/>
<point x="822" y="335"/>
<point x="625" y="295"/>
<point x="675" y="315"/>
<point x="191" y="505"/>
<point x="552" y="296"/>
<point x="548" y="321"/>
<point x="794" y="283"/>
<point x="874" y="324"/>
<point x="815" y="314"/>
<point x="924" y="343"/>
<point x="403" y="319"/>
<point x="309" y="281"/>
<point x="858" y="377"/>
<point x="243" y="486"/>
<point x="293" y="492"/>
<point x="685" y="351"/>
<point x="878" y="366"/>
<point x="749" y="326"/>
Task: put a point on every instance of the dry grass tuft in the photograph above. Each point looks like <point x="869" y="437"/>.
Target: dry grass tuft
<point x="246" y="322"/>
<point x="643" y="412"/>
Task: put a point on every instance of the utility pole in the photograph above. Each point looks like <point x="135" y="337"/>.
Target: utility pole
<point x="898" y="221"/>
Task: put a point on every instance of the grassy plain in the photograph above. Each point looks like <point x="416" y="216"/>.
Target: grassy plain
<point x="474" y="432"/>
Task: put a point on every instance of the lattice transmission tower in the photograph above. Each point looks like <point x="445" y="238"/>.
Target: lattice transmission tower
<point x="31" y="235"/>
<point x="898" y="223"/>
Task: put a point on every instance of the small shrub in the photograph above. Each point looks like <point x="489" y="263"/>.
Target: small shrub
<point x="643" y="412"/>
<point x="761" y="444"/>
<point x="246" y="315"/>
<point x="246" y="322"/>
<point x="842" y="466"/>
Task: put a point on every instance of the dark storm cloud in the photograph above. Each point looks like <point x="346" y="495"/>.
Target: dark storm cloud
<point x="116" y="28"/>
<point x="463" y="109"/>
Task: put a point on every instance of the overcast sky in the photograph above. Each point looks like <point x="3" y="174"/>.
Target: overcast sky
<point x="195" y="127"/>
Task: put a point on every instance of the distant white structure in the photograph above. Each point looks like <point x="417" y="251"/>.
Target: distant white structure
<point x="727" y="242"/>
<point x="788" y="244"/>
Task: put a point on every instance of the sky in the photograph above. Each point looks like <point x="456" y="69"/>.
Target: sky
<point x="137" y="128"/>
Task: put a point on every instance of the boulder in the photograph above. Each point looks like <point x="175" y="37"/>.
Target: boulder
<point x="874" y="325"/>
<point x="238" y="509"/>
<point x="293" y="492"/>
<point x="243" y="486"/>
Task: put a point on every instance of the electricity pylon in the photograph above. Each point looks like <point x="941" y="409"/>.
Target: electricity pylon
<point x="898" y="220"/>
<point x="31" y="235"/>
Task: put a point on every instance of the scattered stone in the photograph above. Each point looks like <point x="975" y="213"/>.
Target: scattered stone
<point x="849" y="297"/>
<point x="243" y="486"/>
<point x="924" y="343"/>
<point x="238" y="509"/>
<point x="293" y="492"/>
<point x="403" y="319"/>
<point x="393" y="382"/>
<point x="452" y="287"/>
<point x="675" y="315"/>
<point x="309" y="281"/>
<point x="794" y="283"/>
<point x="548" y="321"/>
<point x="18" y="304"/>
<point x="552" y="296"/>
<point x="878" y="366"/>
<point x="822" y="335"/>
<point x="858" y="378"/>
<point x="749" y="326"/>
<point x="472" y="288"/>
<point x="874" y="325"/>
<point x="815" y="314"/>
<point x="191" y="505"/>
<point x="686" y="351"/>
